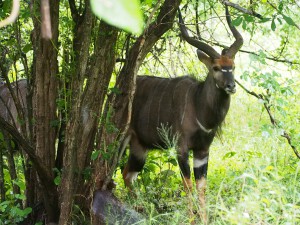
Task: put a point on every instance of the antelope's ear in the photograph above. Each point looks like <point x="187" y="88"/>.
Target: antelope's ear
<point x="204" y="58"/>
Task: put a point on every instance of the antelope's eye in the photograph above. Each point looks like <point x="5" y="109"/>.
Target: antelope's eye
<point x="216" y="68"/>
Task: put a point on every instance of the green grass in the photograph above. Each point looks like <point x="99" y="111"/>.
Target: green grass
<point x="253" y="176"/>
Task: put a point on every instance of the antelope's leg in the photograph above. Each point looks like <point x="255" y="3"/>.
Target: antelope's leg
<point x="133" y="167"/>
<point x="183" y="161"/>
<point x="136" y="162"/>
<point x="200" y="173"/>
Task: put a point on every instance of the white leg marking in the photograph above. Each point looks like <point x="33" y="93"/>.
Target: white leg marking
<point x="200" y="162"/>
<point x="131" y="176"/>
<point x="201" y="184"/>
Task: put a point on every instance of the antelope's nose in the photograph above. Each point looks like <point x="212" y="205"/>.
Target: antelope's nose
<point x="230" y="88"/>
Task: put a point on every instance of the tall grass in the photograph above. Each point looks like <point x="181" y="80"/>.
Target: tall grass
<point x="253" y="176"/>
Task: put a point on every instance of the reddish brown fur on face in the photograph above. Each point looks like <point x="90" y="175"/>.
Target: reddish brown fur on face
<point x="224" y="61"/>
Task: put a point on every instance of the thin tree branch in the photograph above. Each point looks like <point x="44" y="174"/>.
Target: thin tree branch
<point x="241" y="9"/>
<point x="272" y="119"/>
<point x="276" y="59"/>
<point x="37" y="162"/>
<point x="279" y="12"/>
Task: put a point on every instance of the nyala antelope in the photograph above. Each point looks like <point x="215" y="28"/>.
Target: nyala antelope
<point x="195" y="110"/>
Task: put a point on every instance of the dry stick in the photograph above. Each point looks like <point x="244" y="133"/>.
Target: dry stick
<point x="13" y="15"/>
<point x="273" y="121"/>
<point x="46" y="20"/>
<point x="122" y="136"/>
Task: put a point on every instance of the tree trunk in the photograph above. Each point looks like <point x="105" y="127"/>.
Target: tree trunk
<point x="126" y="80"/>
<point x="2" y="185"/>
<point x="45" y="70"/>
<point x="89" y="78"/>
<point x="85" y="115"/>
<point x="81" y="45"/>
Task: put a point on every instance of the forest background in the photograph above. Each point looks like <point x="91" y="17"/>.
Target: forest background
<point x="81" y="84"/>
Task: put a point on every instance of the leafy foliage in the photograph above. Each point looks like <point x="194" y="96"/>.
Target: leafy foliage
<point x="253" y="175"/>
<point x="125" y="14"/>
<point x="11" y="210"/>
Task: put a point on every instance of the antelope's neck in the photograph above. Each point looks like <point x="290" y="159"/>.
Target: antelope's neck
<point x="212" y="104"/>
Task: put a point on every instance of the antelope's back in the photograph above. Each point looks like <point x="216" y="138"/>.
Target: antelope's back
<point x="7" y="106"/>
<point x="161" y="102"/>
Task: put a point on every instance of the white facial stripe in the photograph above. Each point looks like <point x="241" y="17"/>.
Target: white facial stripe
<point x="132" y="176"/>
<point x="200" y="162"/>
<point x="224" y="71"/>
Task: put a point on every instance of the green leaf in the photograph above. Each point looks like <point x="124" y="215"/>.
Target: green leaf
<point x="57" y="180"/>
<point x="167" y="173"/>
<point x="236" y="22"/>
<point x="27" y="48"/>
<point x="95" y="155"/>
<point x="172" y="161"/>
<point x="279" y="20"/>
<point x="27" y="211"/>
<point x="289" y="20"/>
<point x="125" y="14"/>
<point x="280" y="7"/>
<point x="264" y="20"/>
<point x="248" y="18"/>
<point x="273" y="25"/>
<point x="244" y="26"/>
<point x="229" y="155"/>
<point x="115" y="90"/>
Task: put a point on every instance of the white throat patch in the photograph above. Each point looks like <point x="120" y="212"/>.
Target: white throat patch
<point x="203" y="128"/>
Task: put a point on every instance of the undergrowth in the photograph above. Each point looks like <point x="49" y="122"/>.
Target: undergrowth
<point x="253" y="176"/>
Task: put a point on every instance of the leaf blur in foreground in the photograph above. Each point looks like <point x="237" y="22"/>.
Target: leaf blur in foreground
<point x="125" y="14"/>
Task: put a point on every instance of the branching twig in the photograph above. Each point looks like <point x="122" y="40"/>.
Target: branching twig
<point x="279" y="12"/>
<point x="276" y="59"/>
<point x="272" y="119"/>
<point x="241" y="9"/>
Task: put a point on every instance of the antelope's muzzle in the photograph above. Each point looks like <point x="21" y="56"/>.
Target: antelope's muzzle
<point x="230" y="88"/>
